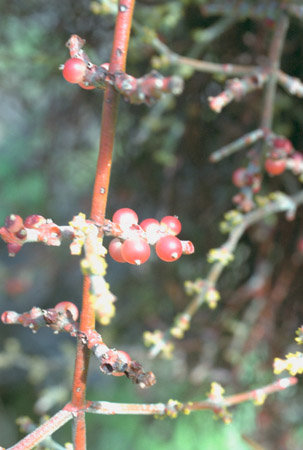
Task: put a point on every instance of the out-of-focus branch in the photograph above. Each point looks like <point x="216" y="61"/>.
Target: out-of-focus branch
<point x="275" y="52"/>
<point x="244" y="141"/>
<point x="216" y="402"/>
<point x="221" y="258"/>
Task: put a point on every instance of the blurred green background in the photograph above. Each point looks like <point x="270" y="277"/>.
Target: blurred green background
<point x="49" y="134"/>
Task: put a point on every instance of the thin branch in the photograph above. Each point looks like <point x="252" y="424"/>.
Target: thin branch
<point x="210" y="67"/>
<point x="216" y="403"/>
<point x="45" y="430"/>
<point x="292" y="85"/>
<point x="244" y="141"/>
<point x="275" y="53"/>
<point x="237" y="88"/>
<point x="225" y="255"/>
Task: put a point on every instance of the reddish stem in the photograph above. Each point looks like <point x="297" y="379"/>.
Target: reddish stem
<point x="45" y="430"/>
<point x="110" y="109"/>
<point x="99" y="201"/>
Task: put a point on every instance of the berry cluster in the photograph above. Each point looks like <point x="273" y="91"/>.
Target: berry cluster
<point x="136" y="248"/>
<point x="280" y="155"/>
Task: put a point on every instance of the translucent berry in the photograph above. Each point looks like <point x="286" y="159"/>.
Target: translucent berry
<point x="275" y="166"/>
<point x="150" y="225"/>
<point x="135" y="251"/>
<point x="68" y="306"/>
<point x="13" y="248"/>
<point x="114" y="250"/>
<point x="172" y="224"/>
<point x="34" y="221"/>
<point x="169" y="248"/>
<point x="124" y="358"/>
<point x="125" y="217"/>
<point x="74" y="70"/>
<point x="13" y="223"/>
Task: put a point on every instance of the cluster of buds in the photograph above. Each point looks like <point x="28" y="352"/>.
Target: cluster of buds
<point x="181" y="325"/>
<point x="147" y="89"/>
<point x="34" y="228"/>
<point x="156" y="340"/>
<point x="280" y="155"/>
<point x="248" y="180"/>
<point x="133" y="243"/>
<point x="293" y="362"/>
<point x="205" y="289"/>
<point x="63" y="318"/>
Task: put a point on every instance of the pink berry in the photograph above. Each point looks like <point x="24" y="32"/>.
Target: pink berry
<point x="241" y="177"/>
<point x="68" y="306"/>
<point x="150" y="225"/>
<point x="125" y="217"/>
<point x="298" y="162"/>
<point x="284" y="144"/>
<point x="135" y="251"/>
<point x="275" y="166"/>
<point x="13" y="223"/>
<point x="169" y="248"/>
<point x="124" y="358"/>
<point x="172" y="224"/>
<point x="34" y="221"/>
<point x="13" y="248"/>
<point x="114" y="250"/>
<point x="74" y="70"/>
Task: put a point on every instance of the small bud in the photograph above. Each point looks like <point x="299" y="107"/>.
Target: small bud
<point x="13" y="223"/>
<point x="34" y="221"/>
<point x="13" y="248"/>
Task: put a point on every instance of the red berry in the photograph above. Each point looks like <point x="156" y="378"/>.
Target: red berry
<point x="13" y="223"/>
<point x="74" y="70"/>
<point x="172" y="224"/>
<point x="169" y="248"/>
<point x="34" y="221"/>
<point x="13" y="248"/>
<point x="68" y="306"/>
<point x="125" y="358"/>
<point x="125" y="217"/>
<point x="150" y="225"/>
<point x="135" y="251"/>
<point x="241" y="177"/>
<point x="84" y="86"/>
<point x="114" y="250"/>
<point x="284" y="144"/>
<point x="275" y="166"/>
